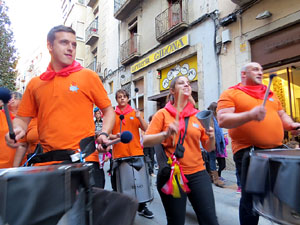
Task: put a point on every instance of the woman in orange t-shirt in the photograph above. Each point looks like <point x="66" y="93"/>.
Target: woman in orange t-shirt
<point x="188" y="177"/>
<point x="7" y="153"/>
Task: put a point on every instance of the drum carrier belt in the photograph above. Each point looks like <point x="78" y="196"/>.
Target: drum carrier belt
<point x="87" y="146"/>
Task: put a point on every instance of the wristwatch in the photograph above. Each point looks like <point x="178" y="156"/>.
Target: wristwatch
<point x="104" y="133"/>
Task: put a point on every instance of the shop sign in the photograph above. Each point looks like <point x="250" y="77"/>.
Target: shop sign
<point x="161" y="53"/>
<point x="186" y="68"/>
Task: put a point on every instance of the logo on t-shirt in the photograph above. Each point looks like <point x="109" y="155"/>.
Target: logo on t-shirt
<point x="131" y="117"/>
<point x="73" y="87"/>
<point x="196" y="125"/>
<point x="271" y="99"/>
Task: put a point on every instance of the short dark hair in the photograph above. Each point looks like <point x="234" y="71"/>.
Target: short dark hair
<point x="60" y="28"/>
<point x="213" y="107"/>
<point x="122" y="91"/>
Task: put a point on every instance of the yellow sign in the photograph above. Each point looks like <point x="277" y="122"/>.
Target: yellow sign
<point x="161" y="53"/>
<point x="186" y="68"/>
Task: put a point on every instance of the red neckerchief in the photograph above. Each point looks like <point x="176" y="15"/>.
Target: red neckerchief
<point x="257" y="91"/>
<point x="188" y="110"/>
<point x="126" y="110"/>
<point x="50" y="73"/>
<point x="11" y="115"/>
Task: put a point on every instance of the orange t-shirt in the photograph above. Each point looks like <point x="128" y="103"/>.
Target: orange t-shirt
<point x="264" y="134"/>
<point x="7" y="154"/>
<point x="32" y="138"/>
<point x="192" y="161"/>
<point x="134" y="147"/>
<point x="64" y="108"/>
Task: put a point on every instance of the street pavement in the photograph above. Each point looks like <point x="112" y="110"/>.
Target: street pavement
<point x="226" y="199"/>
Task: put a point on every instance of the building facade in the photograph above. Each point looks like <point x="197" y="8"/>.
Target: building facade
<point x="267" y="32"/>
<point x="163" y="39"/>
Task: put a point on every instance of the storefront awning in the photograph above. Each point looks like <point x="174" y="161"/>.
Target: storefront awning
<point x="158" y="96"/>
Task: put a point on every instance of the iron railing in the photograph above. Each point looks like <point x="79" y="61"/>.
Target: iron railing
<point x="171" y="17"/>
<point x="92" y="29"/>
<point x="92" y="66"/>
<point x="130" y="47"/>
<point x="118" y="4"/>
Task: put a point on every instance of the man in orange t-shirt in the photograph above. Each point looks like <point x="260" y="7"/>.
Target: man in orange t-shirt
<point x="62" y="99"/>
<point x="131" y="121"/>
<point x="250" y="124"/>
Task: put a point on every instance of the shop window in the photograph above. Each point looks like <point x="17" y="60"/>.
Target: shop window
<point x="287" y="87"/>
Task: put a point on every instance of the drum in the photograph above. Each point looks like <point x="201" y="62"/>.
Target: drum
<point x="132" y="178"/>
<point x="42" y="195"/>
<point x="274" y="180"/>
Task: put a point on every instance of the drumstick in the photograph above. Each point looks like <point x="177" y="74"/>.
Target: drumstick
<point x="268" y="89"/>
<point x="177" y="113"/>
<point x="136" y="98"/>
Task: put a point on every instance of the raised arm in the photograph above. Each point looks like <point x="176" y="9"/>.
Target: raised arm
<point x="153" y="139"/>
<point x="144" y="124"/>
<point x="227" y="118"/>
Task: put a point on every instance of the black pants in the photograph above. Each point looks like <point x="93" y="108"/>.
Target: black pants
<point x="149" y="154"/>
<point x="221" y="164"/>
<point x="246" y="213"/>
<point x="98" y="175"/>
<point x="201" y="198"/>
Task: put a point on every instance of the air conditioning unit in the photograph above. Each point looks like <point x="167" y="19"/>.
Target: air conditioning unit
<point x="241" y="2"/>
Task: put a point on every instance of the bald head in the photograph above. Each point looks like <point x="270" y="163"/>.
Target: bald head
<point x="252" y="74"/>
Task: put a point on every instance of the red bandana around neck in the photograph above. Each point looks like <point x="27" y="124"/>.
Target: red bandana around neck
<point x="257" y="91"/>
<point x="126" y="110"/>
<point x="50" y="73"/>
<point x="188" y="110"/>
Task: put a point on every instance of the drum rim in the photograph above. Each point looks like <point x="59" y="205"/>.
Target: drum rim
<point x="268" y="153"/>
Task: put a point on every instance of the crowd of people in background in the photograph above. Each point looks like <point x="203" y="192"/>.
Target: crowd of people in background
<point x="81" y="107"/>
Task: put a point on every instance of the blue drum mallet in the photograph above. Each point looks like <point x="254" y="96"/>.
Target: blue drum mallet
<point x="5" y="96"/>
<point x="125" y="138"/>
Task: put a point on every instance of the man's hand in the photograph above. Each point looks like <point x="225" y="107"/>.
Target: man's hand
<point x="137" y="113"/>
<point x="19" y="132"/>
<point x="295" y="128"/>
<point x="102" y="139"/>
<point x="258" y="113"/>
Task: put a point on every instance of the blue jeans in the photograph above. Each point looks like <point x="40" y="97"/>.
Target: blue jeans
<point x="212" y="160"/>
<point x="201" y="198"/>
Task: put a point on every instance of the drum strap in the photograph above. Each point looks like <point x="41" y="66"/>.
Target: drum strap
<point x="87" y="146"/>
<point x="57" y="155"/>
<point x="179" y="151"/>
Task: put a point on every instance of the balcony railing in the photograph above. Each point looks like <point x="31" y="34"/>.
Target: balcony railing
<point x="91" y="33"/>
<point x="122" y="8"/>
<point x="130" y="49"/>
<point x="92" y="66"/>
<point x="171" y="21"/>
